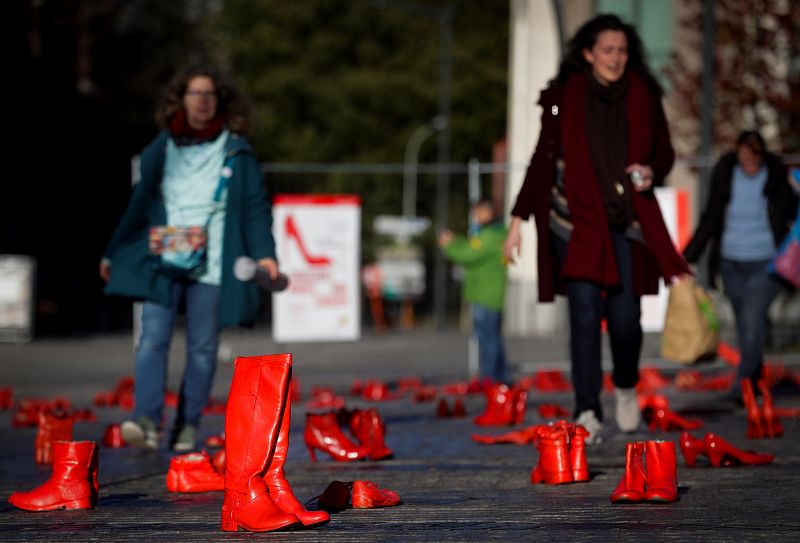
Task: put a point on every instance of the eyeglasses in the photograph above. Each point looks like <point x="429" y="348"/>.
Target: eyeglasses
<point x="211" y="95"/>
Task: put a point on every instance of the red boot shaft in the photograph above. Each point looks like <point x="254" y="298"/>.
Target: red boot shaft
<point x="662" y="471"/>
<point x="73" y="483"/>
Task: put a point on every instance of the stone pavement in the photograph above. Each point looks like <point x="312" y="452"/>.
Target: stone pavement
<point x="452" y="488"/>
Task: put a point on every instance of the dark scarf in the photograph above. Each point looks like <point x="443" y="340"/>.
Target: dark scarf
<point x="183" y="134"/>
<point x="607" y="135"/>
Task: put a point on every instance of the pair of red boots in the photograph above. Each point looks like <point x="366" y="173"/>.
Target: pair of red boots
<point x="762" y="422"/>
<point x="651" y="473"/>
<point x="258" y="498"/>
<point x="505" y="406"/>
<point x="323" y="433"/>
<point x="562" y="454"/>
<point x="72" y="484"/>
<point x="719" y="452"/>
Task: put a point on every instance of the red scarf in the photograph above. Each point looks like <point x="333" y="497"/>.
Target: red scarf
<point x="180" y="129"/>
<point x="590" y="254"/>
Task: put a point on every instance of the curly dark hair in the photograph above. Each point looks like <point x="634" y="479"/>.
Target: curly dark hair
<point x="230" y="102"/>
<point x="585" y="38"/>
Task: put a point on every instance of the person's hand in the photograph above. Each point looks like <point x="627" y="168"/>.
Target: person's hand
<point x="445" y="237"/>
<point x="271" y="267"/>
<point x="105" y="270"/>
<point x="646" y="173"/>
<point x="512" y="247"/>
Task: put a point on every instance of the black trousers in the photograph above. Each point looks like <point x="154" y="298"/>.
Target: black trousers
<point x="589" y="303"/>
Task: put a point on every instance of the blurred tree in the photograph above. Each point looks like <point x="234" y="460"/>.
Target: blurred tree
<point x="756" y="73"/>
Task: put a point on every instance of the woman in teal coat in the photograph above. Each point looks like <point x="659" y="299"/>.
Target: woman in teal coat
<point x="200" y="157"/>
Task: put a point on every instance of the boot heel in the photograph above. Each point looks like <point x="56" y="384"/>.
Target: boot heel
<point x="228" y="524"/>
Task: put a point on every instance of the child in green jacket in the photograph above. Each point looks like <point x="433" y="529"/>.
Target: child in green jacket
<point x="481" y="256"/>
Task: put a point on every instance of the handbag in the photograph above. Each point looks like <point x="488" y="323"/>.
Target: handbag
<point x="786" y="262"/>
<point x="691" y="328"/>
<point x="180" y="251"/>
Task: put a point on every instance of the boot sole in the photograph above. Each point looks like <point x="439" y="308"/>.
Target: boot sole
<point x="71" y="505"/>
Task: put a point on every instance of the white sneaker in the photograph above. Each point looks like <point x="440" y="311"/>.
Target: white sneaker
<point x="140" y="433"/>
<point x="627" y="412"/>
<point x="588" y="420"/>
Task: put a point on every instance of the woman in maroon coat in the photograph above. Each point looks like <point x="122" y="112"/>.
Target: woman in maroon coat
<point x="602" y="241"/>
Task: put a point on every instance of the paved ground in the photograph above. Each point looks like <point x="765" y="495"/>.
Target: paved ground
<point x="453" y="489"/>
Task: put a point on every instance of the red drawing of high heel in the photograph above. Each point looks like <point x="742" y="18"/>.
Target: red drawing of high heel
<point x="293" y="232"/>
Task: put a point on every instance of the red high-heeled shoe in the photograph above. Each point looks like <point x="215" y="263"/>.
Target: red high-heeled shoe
<point x="517" y="437"/>
<point x="322" y="432"/>
<point x="691" y="448"/>
<point x="720" y="452"/>
<point x="773" y="427"/>
<point x="666" y="420"/>
<point x="755" y="430"/>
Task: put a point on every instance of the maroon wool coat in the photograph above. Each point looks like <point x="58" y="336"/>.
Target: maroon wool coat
<point x="590" y="254"/>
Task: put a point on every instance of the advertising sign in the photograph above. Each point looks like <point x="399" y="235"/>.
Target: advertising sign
<point x="318" y="244"/>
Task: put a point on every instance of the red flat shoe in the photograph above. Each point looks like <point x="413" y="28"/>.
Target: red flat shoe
<point x="367" y="495"/>
<point x="720" y="452"/>
<point x="517" y="437"/>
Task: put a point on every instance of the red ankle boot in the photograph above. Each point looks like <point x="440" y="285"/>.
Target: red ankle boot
<point x="722" y="453"/>
<point x="577" y="453"/>
<point x="773" y="427"/>
<point x="661" y="471"/>
<point x="253" y="416"/>
<point x="323" y="433"/>
<point x="368" y="427"/>
<point x="755" y="429"/>
<point x="193" y="472"/>
<point x="499" y="407"/>
<point x="52" y="427"/>
<point x="279" y="489"/>
<point x="554" y="466"/>
<point x="631" y="487"/>
<point x="691" y="448"/>
<point x="72" y="485"/>
<point x="367" y="495"/>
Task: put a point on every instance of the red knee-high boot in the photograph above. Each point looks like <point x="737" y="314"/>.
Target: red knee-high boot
<point x="279" y="489"/>
<point x="252" y="424"/>
<point x="73" y="483"/>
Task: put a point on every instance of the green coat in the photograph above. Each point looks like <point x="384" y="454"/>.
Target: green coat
<point x="482" y="258"/>
<point x="248" y="232"/>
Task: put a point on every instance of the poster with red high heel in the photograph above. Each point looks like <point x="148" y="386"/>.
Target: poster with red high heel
<point x="318" y="240"/>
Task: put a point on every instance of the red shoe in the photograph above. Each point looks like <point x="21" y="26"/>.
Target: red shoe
<point x="520" y="399"/>
<point x="368" y="427"/>
<point x="651" y="379"/>
<point x="720" y="452"/>
<point x="661" y="471"/>
<point x="193" y="472"/>
<point x="409" y="384"/>
<point x="325" y="398"/>
<point x="72" y="485"/>
<point x="376" y="391"/>
<point x="357" y="388"/>
<point x="6" y="398"/>
<point x="253" y="418"/>
<point x="323" y="433"/>
<point x="27" y="415"/>
<point x="773" y="427"/>
<point x="553" y="467"/>
<point x="664" y="419"/>
<point x="500" y="407"/>
<point x="367" y="495"/>
<point x="755" y="429"/>
<point x="631" y="487"/>
<point x="105" y="399"/>
<point x="517" y="437"/>
<point x="458" y="409"/>
<point x="552" y="411"/>
<point x="53" y="427"/>
<point x="691" y="447"/>
<point x="112" y="438"/>
<point x="442" y="409"/>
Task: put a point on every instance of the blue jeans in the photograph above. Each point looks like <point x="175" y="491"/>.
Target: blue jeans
<point x="588" y="304"/>
<point x="202" y="338"/>
<point x="487" y="325"/>
<point x="751" y="289"/>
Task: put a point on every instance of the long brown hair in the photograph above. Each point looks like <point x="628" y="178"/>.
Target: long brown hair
<point x="230" y="102"/>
